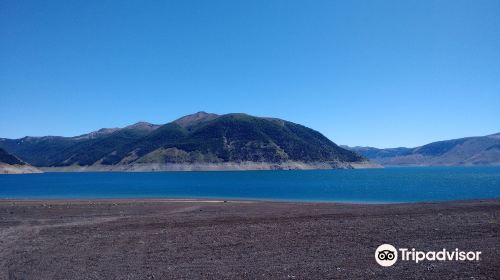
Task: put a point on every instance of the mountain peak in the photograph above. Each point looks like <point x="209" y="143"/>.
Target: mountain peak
<point x="143" y="126"/>
<point x="97" y="133"/>
<point x="195" y="118"/>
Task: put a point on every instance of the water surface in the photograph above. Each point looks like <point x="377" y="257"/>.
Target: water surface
<point x="409" y="184"/>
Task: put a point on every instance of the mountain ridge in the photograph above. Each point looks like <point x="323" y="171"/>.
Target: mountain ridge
<point x="467" y="151"/>
<point x="203" y="140"/>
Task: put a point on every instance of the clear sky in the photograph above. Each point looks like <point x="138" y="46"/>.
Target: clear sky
<point x="378" y="73"/>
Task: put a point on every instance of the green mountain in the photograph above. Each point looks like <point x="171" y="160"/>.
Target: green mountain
<point x="199" y="141"/>
<point x="483" y="150"/>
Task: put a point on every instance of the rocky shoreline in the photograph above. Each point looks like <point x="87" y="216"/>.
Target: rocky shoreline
<point x="18" y="169"/>
<point x="224" y="166"/>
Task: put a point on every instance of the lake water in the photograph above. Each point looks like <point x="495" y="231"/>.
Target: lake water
<point x="362" y="185"/>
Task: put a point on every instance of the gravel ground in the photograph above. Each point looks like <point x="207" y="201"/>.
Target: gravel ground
<point x="174" y="239"/>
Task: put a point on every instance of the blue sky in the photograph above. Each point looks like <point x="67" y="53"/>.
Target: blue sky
<point x="378" y="73"/>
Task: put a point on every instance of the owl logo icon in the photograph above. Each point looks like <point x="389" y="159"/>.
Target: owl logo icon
<point x="386" y="255"/>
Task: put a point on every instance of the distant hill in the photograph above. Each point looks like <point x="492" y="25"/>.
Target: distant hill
<point x="484" y="150"/>
<point x="10" y="164"/>
<point x="200" y="141"/>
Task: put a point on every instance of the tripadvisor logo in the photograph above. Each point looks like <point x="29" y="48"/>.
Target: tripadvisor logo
<point x="387" y="255"/>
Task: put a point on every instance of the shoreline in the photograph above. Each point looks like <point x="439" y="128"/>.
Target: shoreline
<point x="223" y="166"/>
<point x="236" y="200"/>
<point x="213" y="239"/>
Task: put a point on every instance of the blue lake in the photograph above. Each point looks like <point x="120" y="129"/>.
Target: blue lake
<point x="363" y="185"/>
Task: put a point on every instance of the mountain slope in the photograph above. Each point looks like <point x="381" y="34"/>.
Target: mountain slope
<point x="484" y="150"/>
<point x="190" y="121"/>
<point x="198" y="141"/>
<point x="9" y="159"/>
<point x="10" y="164"/>
<point x="83" y="150"/>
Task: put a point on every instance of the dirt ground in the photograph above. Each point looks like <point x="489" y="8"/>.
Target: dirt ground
<point x="167" y="239"/>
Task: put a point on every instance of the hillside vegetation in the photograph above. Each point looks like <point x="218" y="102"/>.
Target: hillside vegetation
<point x="198" y="138"/>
